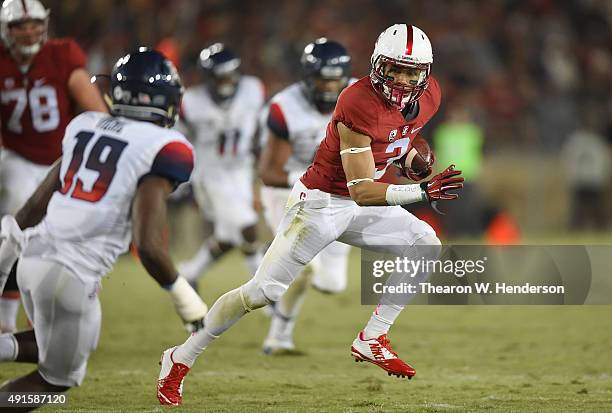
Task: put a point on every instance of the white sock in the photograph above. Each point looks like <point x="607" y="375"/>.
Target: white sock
<point x="281" y="328"/>
<point x="253" y="261"/>
<point x="382" y="319"/>
<point x="228" y="309"/>
<point x="291" y="302"/>
<point x="9" y="348"/>
<point x="9" y="308"/>
<point x="288" y="307"/>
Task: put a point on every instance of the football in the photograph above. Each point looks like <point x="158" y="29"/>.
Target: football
<point x="417" y="162"/>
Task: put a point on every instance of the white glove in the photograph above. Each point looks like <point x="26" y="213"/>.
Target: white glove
<point x="12" y="241"/>
<point x="188" y="304"/>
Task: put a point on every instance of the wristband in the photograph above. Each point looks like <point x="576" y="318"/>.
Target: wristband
<point x="405" y="194"/>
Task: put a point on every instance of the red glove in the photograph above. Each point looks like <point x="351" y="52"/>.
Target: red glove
<point x="439" y="186"/>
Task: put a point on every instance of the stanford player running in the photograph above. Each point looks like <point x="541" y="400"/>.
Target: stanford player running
<point x="40" y="82"/>
<point x="342" y="197"/>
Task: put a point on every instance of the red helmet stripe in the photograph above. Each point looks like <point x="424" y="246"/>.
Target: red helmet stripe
<point x="409" y="40"/>
<point x="25" y="9"/>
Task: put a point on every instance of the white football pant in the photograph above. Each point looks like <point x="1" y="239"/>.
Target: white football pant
<point x="19" y="178"/>
<point x="329" y="266"/>
<point x="66" y="315"/>
<point x="225" y="197"/>
<point x="315" y="219"/>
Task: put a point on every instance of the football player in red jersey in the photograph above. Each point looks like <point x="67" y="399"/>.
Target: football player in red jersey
<point x="343" y="196"/>
<point x="41" y="82"/>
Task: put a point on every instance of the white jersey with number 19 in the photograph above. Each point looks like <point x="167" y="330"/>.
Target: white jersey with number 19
<point x="88" y="221"/>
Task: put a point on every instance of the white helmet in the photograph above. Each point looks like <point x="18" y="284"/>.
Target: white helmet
<point x="17" y="10"/>
<point x="406" y="47"/>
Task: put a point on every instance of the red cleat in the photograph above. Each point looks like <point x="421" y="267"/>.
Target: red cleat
<point x="378" y="351"/>
<point x="170" y="381"/>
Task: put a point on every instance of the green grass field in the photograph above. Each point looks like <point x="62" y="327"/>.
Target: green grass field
<point x="469" y="359"/>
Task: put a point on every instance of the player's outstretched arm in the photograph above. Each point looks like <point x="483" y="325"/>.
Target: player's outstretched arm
<point x="84" y="93"/>
<point x="35" y="208"/>
<point x="272" y="163"/>
<point x="149" y="216"/>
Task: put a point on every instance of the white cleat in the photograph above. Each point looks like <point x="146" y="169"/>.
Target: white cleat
<point x="280" y="336"/>
<point x="275" y="345"/>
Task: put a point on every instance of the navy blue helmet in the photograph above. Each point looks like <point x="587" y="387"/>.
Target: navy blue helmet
<point x="146" y="86"/>
<point x="221" y="68"/>
<point x="326" y="69"/>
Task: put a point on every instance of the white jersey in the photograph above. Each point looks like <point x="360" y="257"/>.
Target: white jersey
<point x="301" y="124"/>
<point x="88" y="221"/>
<point x="224" y="133"/>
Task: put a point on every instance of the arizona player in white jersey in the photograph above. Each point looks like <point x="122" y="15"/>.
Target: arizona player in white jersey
<point x="42" y="84"/>
<point x="222" y="114"/>
<point x="110" y="186"/>
<point x="296" y="122"/>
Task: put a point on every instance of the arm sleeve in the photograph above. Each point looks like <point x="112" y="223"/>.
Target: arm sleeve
<point x="276" y="122"/>
<point x="353" y="111"/>
<point x="174" y="161"/>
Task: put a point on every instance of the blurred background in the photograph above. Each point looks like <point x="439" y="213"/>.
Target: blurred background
<point x="527" y="103"/>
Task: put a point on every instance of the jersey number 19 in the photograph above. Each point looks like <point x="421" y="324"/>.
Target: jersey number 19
<point x="103" y="158"/>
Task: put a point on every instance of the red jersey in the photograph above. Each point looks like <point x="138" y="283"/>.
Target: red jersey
<point x="35" y="107"/>
<point x="363" y="110"/>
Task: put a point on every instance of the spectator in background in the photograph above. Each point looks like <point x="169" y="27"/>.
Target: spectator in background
<point x="585" y="157"/>
<point x="459" y="140"/>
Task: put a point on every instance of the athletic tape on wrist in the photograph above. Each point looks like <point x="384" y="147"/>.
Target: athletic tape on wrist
<point x="188" y="303"/>
<point x="404" y="194"/>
